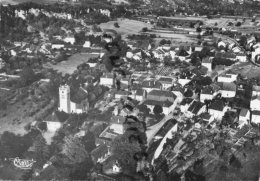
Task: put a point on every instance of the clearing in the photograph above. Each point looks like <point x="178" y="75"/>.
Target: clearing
<point x="70" y="65"/>
<point x="127" y="26"/>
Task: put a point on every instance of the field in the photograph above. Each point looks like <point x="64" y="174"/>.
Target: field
<point x="70" y="65"/>
<point x="127" y="26"/>
<point x="13" y="2"/>
<point x="247" y="70"/>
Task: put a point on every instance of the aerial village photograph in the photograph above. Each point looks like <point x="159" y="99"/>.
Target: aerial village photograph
<point x="130" y="90"/>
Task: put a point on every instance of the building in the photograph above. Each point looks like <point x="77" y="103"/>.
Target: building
<point x="185" y="104"/>
<point x="255" y="90"/>
<point x="161" y="95"/>
<point x="228" y="90"/>
<point x="2" y="63"/>
<point x="107" y="80"/>
<point x="70" y="40"/>
<point x="228" y="77"/>
<point x="241" y="57"/>
<point x="167" y="106"/>
<point x="139" y="94"/>
<point x="255" y="103"/>
<point x="100" y="154"/>
<point x="166" y="82"/>
<point x="87" y="44"/>
<point x="244" y="117"/>
<point x="255" y="117"/>
<point x="196" y="108"/>
<point x="55" y="121"/>
<point x="207" y="62"/>
<point x="217" y="109"/>
<point x="150" y="85"/>
<point x="77" y="104"/>
<point x="207" y="93"/>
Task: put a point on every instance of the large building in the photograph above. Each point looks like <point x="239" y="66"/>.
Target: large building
<point x="78" y="104"/>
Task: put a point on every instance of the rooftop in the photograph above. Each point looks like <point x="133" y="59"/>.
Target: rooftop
<point x="243" y="112"/>
<point x="217" y="105"/>
<point x="162" y="93"/>
<point x="160" y="103"/>
<point x="151" y="84"/>
<point x="195" y="107"/>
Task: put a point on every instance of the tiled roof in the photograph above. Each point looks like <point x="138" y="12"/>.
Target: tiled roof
<point x="160" y="103"/>
<point x="195" y="107"/>
<point x="151" y="84"/>
<point x="162" y="93"/>
<point x="217" y="105"/>
<point x="165" y="79"/>
<point x="256" y="113"/>
<point x="205" y="116"/>
<point x="99" y="152"/>
<point x="207" y="90"/>
<point x="80" y="96"/>
<point x="256" y="88"/>
<point x="140" y="92"/>
<point x="243" y="112"/>
<point x="186" y="101"/>
<point x="229" y="86"/>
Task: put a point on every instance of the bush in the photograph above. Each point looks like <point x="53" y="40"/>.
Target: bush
<point x="116" y="25"/>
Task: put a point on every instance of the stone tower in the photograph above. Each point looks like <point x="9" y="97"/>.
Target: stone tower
<point x="64" y="95"/>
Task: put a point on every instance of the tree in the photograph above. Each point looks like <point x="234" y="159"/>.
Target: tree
<point x="157" y="110"/>
<point x="116" y="25"/>
<point x="27" y="76"/>
<point x="124" y="151"/>
<point x="238" y="23"/>
<point x="82" y="170"/>
<point x="40" y="149"/>
<point x="143" y="108"/>
<point x="74" y="150"/>
<point x="42" y="126"/>
<point x="144" y="29"/>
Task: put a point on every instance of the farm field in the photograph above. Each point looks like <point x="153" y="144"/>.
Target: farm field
<point x="70" y="65"/>
<point x="127" y="26"/>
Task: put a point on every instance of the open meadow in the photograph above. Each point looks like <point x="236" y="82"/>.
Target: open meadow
<point x="70" y="65"/>
<point x="126" y="26"/>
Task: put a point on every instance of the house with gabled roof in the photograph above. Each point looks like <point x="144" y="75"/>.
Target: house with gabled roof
<point x="161" y="95"/>
<point x="55" y="120"/>
<point x="100" y="154"/>
<point x="207" y="62"/>
<point x="206" y="117"/>
<point x="217" y="109"/>
<point x="166" y="82"/>
<point x="227" y="77"/>
<point x="256" y="90"/>
<point x="208" y="93"/>
<point x="244" y="117"/>
<point x="139" y="94"/>
<point x="150" y="85"/>
<point x="241" y="57"/>
<point x="255" y="117"/>
<point x="228" y="90"/>
<point x="178" y="91"/>
<point x="196" y="108"/>
<point x="167" y="105"/>
<point x="107" y="80"/>
<point x="185" y="104"/>
<point x="255" y="103"/>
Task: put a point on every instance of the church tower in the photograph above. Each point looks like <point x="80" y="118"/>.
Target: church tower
<point x="64" y="94"/>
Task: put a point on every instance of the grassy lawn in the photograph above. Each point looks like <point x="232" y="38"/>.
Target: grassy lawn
<point x="9" y="172"/>
<point x="70" y="65"/>
<point x="127" y="26"/>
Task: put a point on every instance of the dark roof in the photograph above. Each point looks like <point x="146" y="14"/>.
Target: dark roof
<point x="186" y="101"/>
<point x="217" y="105"/>
<point x="207" y="90"/>
<point x="99" y="152"/>
<point x="205" y="116"/>
<point x="160" y="103"/>
<point x="79" y="96"/>
<point x="165" y="79"/>
<point x="195" y="107"/>
<point x="226" y="55"/>
<point x="151" y="84"/>
<point x="162" y="93"/>
<point x="229" y="86"/>
<point x="206" y="60"/>
<point x="256" y="113"/>
<point x="243" y="112"/>
<point x="140" y="92"/>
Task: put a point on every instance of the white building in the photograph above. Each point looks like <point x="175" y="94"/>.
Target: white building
<point x="241" y="57"/>
<point x="255" y="117"/>
<point x="244" y="117"/>
<point x="217" y="109"/>
<point x="207" y="93"/>
<point x="255" y="103"/>
<point x="255" y="90"/>
<point x="207" y="62"/>
<point x="70" y="40"/>
<point x="107" y="80"/>
<point x="228" y="90"/>
<point x="72" y="106"/>
<point x="228" y="77"/>
<point x="57" y="46"/>
<point x="166" y="82"/>
<point x="87" y="44"/>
